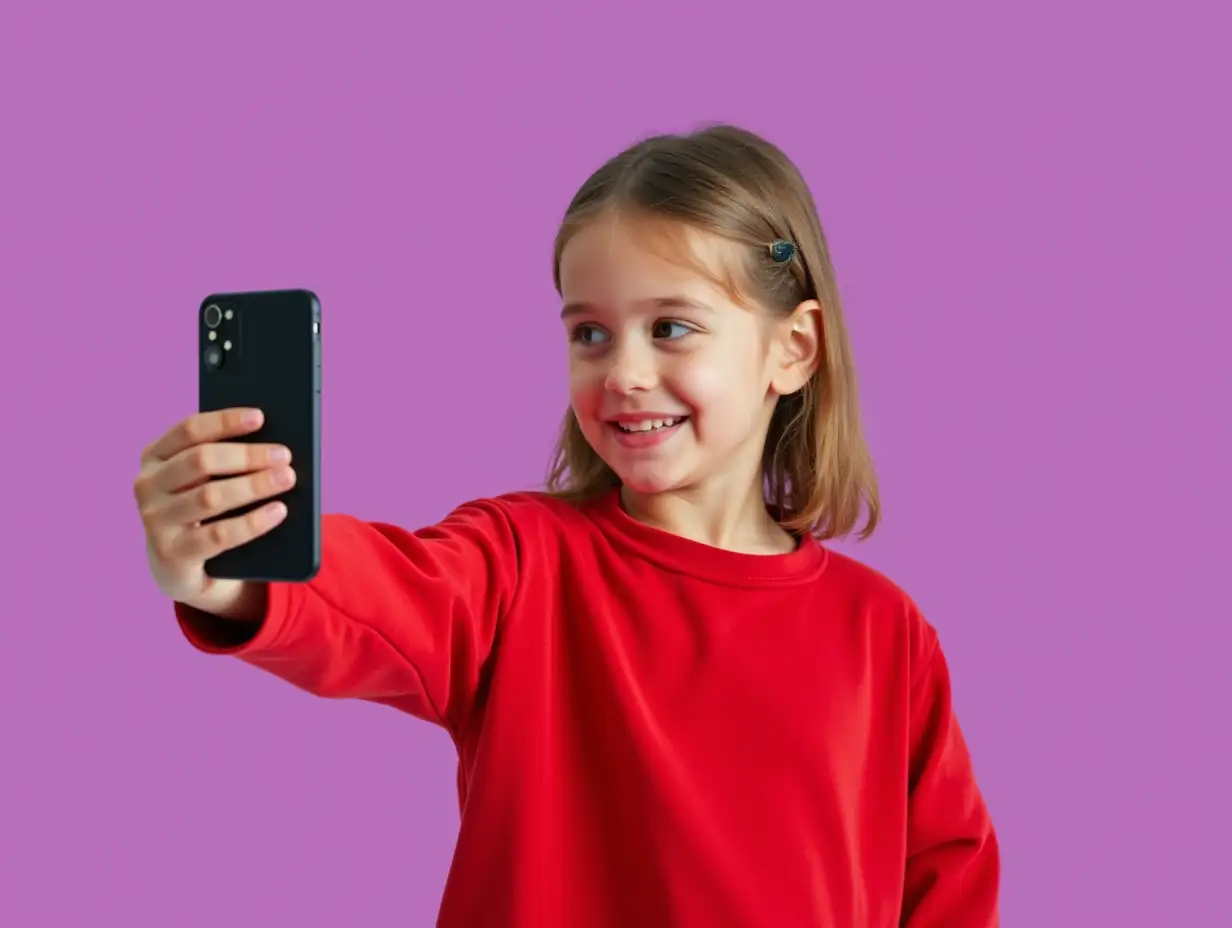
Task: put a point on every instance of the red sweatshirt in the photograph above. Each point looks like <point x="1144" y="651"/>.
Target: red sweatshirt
<point x="651" y="731"/>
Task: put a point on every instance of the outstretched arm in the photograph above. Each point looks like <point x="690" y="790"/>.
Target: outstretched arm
<point x="402" y="618"/>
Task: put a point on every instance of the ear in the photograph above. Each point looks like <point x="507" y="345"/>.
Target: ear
<point x="800" y="341"/>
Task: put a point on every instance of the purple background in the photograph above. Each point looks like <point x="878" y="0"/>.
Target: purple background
<point x="1029" y="210"/>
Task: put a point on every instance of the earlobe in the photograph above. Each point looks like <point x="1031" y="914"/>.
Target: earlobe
<point x="801" y="342"/>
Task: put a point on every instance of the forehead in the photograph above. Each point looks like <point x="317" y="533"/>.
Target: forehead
<point x="617" y="260"/>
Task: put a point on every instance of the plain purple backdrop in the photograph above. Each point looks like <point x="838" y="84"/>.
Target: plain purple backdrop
<point x="1029" y="210"/>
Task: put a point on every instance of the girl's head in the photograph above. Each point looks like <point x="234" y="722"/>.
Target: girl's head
<point x="703" y="356"/>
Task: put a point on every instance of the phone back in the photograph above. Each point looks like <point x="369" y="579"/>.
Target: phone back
<point x="263" y="350"/>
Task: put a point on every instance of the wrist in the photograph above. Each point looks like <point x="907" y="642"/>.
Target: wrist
<point x="235" y="600"/>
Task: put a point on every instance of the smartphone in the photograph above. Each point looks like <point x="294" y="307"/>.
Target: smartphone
<point x="262" y="349"/>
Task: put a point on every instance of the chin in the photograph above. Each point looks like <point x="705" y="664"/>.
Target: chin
<point x="648" y="481"/>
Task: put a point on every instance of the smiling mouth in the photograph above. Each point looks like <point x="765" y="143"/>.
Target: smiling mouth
<point x="648" y="425"/>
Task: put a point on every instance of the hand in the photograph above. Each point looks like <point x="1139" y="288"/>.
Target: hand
<point x="175" y="495"/>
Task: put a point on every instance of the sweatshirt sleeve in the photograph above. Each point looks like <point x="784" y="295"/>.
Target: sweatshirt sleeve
<point x="406" y="619"/>
<point x="953" y="862"/>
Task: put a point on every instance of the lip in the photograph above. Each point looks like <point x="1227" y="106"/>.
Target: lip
<point x="639" y="440"/>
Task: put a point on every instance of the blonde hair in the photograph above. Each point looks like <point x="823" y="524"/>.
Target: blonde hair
<point x="727" y="181"/>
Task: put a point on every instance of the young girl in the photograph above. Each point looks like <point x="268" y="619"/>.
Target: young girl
<point x="673" y="705"/>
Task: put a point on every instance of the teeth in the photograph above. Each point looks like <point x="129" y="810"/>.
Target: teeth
<point x="649" y="425"/>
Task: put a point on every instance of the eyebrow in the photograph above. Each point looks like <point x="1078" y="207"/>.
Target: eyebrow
<point x="660" y="302"/>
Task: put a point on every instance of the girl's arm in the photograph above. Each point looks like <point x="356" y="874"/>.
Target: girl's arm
<point x="402" y="618"/>
<point x="953" y="860"/>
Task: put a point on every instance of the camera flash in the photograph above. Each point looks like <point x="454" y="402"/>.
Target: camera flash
<point x="226" y="346"/>
<point x="213" y="336"/>
<point x="229" y="314"/>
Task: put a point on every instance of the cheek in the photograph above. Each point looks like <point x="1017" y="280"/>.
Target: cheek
<point x="585" y="384"/>
<point x="719" y="381"/>
<point x="701" y="387"/>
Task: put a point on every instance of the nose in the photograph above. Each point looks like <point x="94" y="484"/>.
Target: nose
<point x="631" y="367"/>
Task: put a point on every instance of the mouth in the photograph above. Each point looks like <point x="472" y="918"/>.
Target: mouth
<point x="646" y="426"/>
<point x="637" y="434"/>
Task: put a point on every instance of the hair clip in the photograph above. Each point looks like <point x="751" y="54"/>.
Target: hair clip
<point x="782" y="251"/>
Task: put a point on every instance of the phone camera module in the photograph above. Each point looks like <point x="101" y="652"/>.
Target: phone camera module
<point x="213" y="316"/>
<point x="213" y="357"/>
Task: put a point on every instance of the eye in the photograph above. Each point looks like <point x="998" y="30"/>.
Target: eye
<point x="586" y="334"/>
<point x="669" y="329"/>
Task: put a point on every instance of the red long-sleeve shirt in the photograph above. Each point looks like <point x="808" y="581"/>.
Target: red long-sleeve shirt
<point x="651" y="731"/>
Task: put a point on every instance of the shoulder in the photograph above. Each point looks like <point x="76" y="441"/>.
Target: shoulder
<point x="882" y="604"/>
<point x="530" y="509"/>
<point x="517" y="519"/>
<point x="864" y="583"/>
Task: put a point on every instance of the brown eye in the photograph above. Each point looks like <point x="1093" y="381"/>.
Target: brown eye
<point x="668" y="329"/>
<point x="586" y="335"/>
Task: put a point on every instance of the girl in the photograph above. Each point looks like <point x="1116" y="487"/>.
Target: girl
<point x="672" y="703"/>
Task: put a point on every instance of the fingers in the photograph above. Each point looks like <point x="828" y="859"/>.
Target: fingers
<point x="182" y="504"/>
<point x="198" y="464"/>
<point x="175" y="530"/>
<point x="217" y="497"/>
<point x="206" y="541"/>
<point x="203" y="428"/>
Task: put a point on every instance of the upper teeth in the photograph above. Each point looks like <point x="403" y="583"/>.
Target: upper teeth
<point x="647" y="424"/>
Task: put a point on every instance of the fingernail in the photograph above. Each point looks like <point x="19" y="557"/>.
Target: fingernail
<point x="252" y="417"/>
<point x="280" y="454"/>
<point x="284" y="477"/>
<point x="275" y="511"/>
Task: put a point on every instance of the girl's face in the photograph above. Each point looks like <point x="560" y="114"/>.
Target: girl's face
<point x="672" y="383"/>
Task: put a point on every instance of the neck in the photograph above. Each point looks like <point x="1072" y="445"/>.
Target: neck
<point x="722" y="517"/>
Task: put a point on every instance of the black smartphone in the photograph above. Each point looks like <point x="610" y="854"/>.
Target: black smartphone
<point x="262" y="349"/>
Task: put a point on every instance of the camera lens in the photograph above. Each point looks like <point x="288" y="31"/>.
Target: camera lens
<point x="213" y="316"/>
<point x="213" y="357"/>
